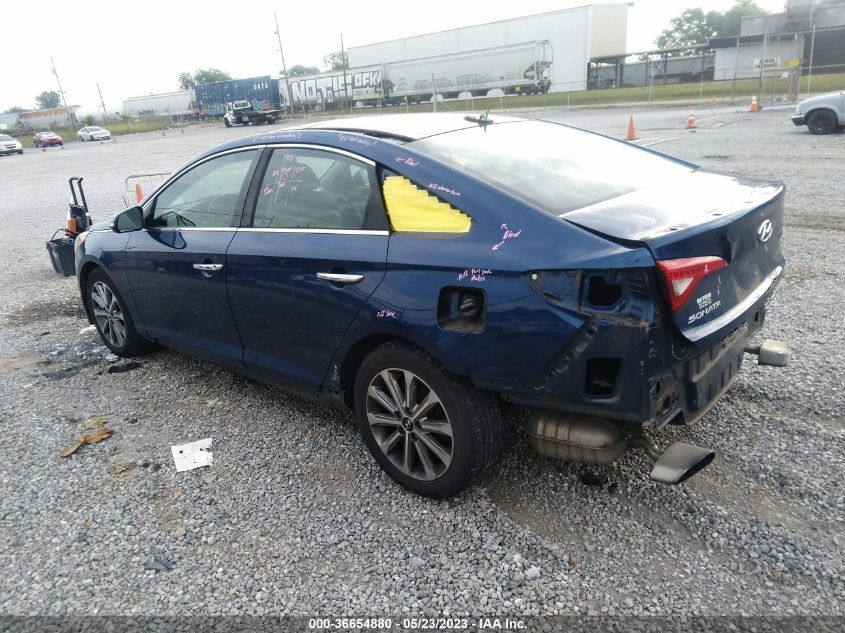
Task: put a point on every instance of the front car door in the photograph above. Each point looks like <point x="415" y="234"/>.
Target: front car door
<point x="176" y="264"/>
<point x="310" y="255"/>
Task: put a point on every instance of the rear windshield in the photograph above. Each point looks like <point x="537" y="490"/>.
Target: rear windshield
<point x="554" y="167"/>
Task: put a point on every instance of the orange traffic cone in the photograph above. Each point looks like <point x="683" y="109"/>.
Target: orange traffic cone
<point x="138" y="195"/>
<point x="754" y="106"/>
<point x="691" y="120"/>
<point x="632" y="134"/>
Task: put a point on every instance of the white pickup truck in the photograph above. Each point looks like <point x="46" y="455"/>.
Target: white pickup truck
<point x="822" y="114"/>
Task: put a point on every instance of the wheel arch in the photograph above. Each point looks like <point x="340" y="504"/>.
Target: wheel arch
<point x="84" y="273"/>
<point x="355" y="354"/>
<point x="822" y="108"/>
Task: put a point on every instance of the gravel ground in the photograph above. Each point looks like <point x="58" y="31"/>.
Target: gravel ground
<point x="296" y="518"/>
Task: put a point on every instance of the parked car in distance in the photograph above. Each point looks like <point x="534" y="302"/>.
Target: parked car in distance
<point x="93" y="133"/>
<point x="822" y="114"/>
<point x="10" y="145"/>
<point x="418" y="269"/>
<point x="46" y="139"/>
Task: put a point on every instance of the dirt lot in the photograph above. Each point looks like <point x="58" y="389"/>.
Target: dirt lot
<point x="295" y="517"/>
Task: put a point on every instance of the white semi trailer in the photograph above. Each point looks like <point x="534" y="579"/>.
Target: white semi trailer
<point x="179" y="103"/>
<point x="513" y="69"/>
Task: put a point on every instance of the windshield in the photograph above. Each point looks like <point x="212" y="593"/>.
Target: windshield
<point x="94" y="129"/>
<point x="554" y="167"/>
<point x="6" y="137"/>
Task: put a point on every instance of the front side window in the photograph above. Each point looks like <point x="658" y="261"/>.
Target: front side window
<point x="206" y="196"/>
<point x="305" y="188"/>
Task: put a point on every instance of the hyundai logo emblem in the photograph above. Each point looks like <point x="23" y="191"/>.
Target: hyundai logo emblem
<point x="765" y="230"/>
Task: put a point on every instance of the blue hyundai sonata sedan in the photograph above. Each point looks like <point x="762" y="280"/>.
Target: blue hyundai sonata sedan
<point x="421" y="269"/>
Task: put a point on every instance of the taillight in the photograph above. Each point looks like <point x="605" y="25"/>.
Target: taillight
<point x="682" y="276"/>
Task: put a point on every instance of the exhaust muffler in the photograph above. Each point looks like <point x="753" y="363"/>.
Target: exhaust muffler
<point x="770" y="352"/>
<point x="597" y="441"/>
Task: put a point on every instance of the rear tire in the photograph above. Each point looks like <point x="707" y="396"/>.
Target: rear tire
<point x="443" y="435"/>
<point x="112" y="319"/>
<point x="822" y="122"/>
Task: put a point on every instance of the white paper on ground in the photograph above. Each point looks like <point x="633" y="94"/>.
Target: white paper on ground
<point x="192" y="455"/>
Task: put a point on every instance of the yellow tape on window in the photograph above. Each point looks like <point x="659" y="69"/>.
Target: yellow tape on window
<point x="413" y="209"/>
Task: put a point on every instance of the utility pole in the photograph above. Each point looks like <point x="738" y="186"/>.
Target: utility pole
<point x="812" y="49"/>
<point x="284" y="67"/>
<point x="343" y="59"/>
<point x="102" y="103"/>
<point x="70" y="115"/>
<point x="763" y="65"/>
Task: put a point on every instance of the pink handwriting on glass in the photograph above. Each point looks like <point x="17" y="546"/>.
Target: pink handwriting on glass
<point x="507" y="235"/>
<point x="435" y="187"/>
<point x="385" y="314"/>
<point x="356" y="139"/>
<point x="410" y="162"/>
<point x="268" y="190"/>
<point x="475" y="274"/>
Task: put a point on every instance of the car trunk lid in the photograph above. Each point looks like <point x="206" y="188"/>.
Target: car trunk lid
<point x="703" y="214"/>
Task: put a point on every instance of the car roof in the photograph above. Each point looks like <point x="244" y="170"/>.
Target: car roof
<point x="401" y="128"/>
<point x="404" y="127"/>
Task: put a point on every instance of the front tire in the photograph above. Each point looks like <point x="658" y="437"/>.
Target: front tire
<point x="226" y="122"/>
<point x="112" y="319"/>
<point x="822" y="122"/>
<point x="432" y="432"/>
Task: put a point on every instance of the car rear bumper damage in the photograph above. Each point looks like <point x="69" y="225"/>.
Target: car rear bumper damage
<point x="657" y="381"/>
<point x="599" y="441"/>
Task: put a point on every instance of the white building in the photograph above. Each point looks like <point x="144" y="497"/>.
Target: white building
<point x="576" y="36"/>
<point x="806" y="32"/>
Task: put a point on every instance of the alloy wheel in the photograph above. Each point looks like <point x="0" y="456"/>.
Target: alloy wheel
<point x="409" y="423"/>
<point x="108" y="314"/>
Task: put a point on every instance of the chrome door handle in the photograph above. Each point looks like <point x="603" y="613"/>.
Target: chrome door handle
<point x="208" y="267"/>
<point x="339" y="278"/>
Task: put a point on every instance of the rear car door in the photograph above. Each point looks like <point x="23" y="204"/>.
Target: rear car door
<point x="176" y="264"/>
<point x="313" y="251"/>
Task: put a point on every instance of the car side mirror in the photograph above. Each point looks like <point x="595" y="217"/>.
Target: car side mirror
<point x="130" y="220"/>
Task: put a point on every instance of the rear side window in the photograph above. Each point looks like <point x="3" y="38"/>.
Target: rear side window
<point x="206" y="196"/>
<point x="554" y="167"/>
<point x="305" y="188"/>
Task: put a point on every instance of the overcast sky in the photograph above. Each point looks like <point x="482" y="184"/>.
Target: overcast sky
<point x="137" y="48"/>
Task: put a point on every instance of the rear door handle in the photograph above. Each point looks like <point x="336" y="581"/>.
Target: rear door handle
<point x="340" y="278"/>
<point x="208" y="267"/>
